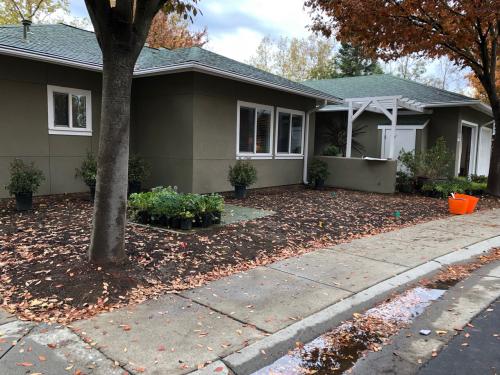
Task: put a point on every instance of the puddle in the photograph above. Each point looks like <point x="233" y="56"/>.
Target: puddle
<point x="338" y="350"/>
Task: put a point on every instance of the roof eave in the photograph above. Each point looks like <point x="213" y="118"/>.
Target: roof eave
<point x="195" y="66"/>
<point x="476" y="104"/>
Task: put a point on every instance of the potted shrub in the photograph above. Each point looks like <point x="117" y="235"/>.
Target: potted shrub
<point x="25" y="179"/>
<point x="215" y="206"/>
<point x="138" y="171"/>
<point x="332" y="150"/>
<point x="242" y="175"/>
<point x="318" y="173"/>
<point x="186" y="222"/>
<point x="88" y="173"/>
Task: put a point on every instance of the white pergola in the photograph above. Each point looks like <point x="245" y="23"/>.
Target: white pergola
<point x="387" y="105"/>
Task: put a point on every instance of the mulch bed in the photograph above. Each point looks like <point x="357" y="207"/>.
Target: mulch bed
<point x="45" y="275"/>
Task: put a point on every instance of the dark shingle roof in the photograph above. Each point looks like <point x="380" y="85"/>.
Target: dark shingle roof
<point x="74" y="45"/>
<point x="385" y="85"/>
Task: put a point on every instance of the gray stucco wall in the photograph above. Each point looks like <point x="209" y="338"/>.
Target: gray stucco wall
<point x="359" y="174"/>
<point x="24" y="123"/>
<point x="214" y="133"/>
<point x="162" y="128"/>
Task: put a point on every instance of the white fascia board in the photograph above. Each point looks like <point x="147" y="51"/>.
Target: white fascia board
<point x="480" y="106"/>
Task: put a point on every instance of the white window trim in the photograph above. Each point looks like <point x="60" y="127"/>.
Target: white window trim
<point x="254" y="155"/>
<point x="474" y="146"/>
<point x="288" y="155"/>
<point x="58" y="130"/>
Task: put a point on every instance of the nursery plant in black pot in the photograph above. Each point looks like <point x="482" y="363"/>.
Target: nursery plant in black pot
<point x="25" y="179"/>
<point x="215" y="207"/>
<point x="88" y="173"/>
<point x="318" y="173"/>
<point x="138" y="171"/>
<point x="242" y="175"/>
<point x="186" y="220"/>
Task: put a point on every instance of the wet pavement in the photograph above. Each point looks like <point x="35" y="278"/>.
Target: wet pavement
<point x="338" y="350"/>
<point x="476" y="350"/>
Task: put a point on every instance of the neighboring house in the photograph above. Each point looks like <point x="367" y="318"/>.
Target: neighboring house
<point x="193" y="112"/>
<point x="423" y="114"/>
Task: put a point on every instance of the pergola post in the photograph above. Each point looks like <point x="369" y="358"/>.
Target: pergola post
<point x="394" y="121"/>
<point x="349" y="131"/>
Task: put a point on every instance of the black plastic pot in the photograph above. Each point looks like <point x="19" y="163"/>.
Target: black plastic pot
<point x="186" y="224"/>
<point x="92" y="193"/>
<point x="197" y="221"/>
<point x="134" y="187"/>
<point x="24" y="201"/>
<point x="319" y="183"/>
<point x="216" y="217"/>
<point x="164" y="221"/>
<point x="206" y="220"/>
<point x="240" y="191"/>
<point x="144" y="217"/>
<point x="175" y="222"/>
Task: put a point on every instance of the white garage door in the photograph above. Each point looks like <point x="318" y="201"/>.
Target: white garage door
<point x="484" y="151"/>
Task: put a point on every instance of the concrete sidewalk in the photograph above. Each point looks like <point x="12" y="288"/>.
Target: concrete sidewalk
<point x="249" y="319"/>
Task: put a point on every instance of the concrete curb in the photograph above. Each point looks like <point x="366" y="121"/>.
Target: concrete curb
<point x="267" y="350"/>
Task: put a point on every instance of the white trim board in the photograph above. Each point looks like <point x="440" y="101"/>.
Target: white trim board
<point x="473" y="149"/>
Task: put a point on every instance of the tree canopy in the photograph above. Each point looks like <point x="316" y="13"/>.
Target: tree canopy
<point x="350" y="61"/>
<point x="14" y="11"/>
<point x="172" y="31"/>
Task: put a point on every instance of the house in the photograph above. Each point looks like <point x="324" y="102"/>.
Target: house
<point x="420" y="114"/>
<point x="194" y="113"/>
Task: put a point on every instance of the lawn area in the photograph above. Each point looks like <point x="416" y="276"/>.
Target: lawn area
<point x="45" y="274"/>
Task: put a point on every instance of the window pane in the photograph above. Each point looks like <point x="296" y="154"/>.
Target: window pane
<point x="283" y="132"/>
<point x="263" y="131"/>
<point x="79" y="107"/>
<point x="247" y="129"/>
<point x="61" y="110"/>
<point x="296" y="141"/>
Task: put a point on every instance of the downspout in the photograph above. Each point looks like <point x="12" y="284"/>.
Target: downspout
<point x="306" y="141"/>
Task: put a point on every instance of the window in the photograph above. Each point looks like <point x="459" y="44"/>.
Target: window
<point x="289" y="133"/>
<point x="255" y="124"/>
<point x="70" y="111"/>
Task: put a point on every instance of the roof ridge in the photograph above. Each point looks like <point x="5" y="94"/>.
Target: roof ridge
<point x="431" y="87"/>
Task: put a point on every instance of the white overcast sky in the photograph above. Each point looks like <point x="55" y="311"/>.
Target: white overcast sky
<point x="236" y="27"/>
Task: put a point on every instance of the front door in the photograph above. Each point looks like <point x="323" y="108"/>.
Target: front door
<point x="468" y="149"/>
<point x="484" y="151"/>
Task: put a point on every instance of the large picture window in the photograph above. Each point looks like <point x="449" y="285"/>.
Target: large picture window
<point x="69" y="111"/>
<point x="289" y="133"/>
<point x="255" y="124"/>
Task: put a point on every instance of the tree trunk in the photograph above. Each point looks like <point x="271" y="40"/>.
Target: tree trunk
<point x="110" y="206"/>
<point x="494" y="173"/>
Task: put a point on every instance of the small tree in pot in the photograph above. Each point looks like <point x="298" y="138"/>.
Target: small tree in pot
<point x="318" y="173"/>
<point x="25" y="179"/>
<point x="138" y="171"/>
<point x="88" y="173"/>
<point x="242" y="175"/>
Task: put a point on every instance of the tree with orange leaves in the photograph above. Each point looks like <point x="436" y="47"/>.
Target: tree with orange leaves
<point x="465" y="31"/>
<point x="172" y="31"/>
<point x="478" y="88"/>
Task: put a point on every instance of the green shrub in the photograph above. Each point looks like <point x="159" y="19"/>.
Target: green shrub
<point x="480" y="179"/>
<point x="443" y="189"/>
<point x="214" y="202"/>
<point x="318" y="171"/>
<point x="404" y="182"/>
<point x="331" y="150"/>
<point x="242" y="174"/>
<point x="24" y="178"/>
<point x="138" y="169"/>
<point x="88" y="171"/>
<point x="435" y="162"/>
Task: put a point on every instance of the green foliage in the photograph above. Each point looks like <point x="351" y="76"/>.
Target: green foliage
<point x="24" y="178"/>
<point x="138" y="169"/>
<point x="435" y="162"/>
<point x="318" y="171"/>
<point x="166" y="202"/>
<point x="242" y="174"/>
<point x="404" y="182"/>
<point x="351" y="61"/>
<point x="88" y="171"/>
<point x="13" y="11"/>
<point x="477" y="178"/>
<point x="443" y="189"/>
<point x="331" y="150"/>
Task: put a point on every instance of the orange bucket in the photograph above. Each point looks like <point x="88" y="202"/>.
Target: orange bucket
<point x="457" y="206"/>
<point x="471" y="201"/>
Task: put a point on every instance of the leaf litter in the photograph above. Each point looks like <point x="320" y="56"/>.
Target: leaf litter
<point x="45" y="275"/>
